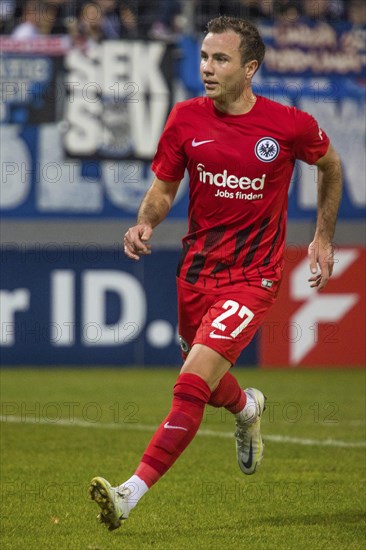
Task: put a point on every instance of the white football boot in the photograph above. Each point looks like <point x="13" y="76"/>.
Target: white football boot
<point x="113" y="503"/>
<point x="249" y="444"/>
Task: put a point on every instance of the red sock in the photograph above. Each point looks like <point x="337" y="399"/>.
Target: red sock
<point x="174" y="434"/>
<point x="228" y="394"/>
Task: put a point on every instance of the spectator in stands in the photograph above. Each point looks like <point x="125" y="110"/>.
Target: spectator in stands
<point x="356" y="12"/>
<point x="322" y="10"/>
<point x="38" y="19"/>
<point x="158" y="18"/>
<point x="87" y="29"/>
<point x="7" y="10"/>
<point x="205" y="10"/>
<point x="65" y="13"/>
<point x="117" y="19"/>
<point x="249" y="9"/>
<point x="165" y="19"/>
<point x="102" y="20"/>
<point x="128" y="19"/>
<point x="287" y="12"/>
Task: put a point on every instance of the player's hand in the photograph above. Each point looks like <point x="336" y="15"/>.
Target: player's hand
<point x="321" y="257"/>
<point x="135" y="241"/>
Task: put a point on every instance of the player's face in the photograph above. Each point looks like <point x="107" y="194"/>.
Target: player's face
<point x="221" y="71"/>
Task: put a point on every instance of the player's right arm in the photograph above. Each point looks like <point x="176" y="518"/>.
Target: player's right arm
<point x="153" y="209"/>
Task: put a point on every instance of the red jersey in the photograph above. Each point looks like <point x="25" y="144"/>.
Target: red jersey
<point x="240" y="168"/>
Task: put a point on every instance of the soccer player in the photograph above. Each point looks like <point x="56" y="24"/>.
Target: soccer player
<point x="240" y="150"/>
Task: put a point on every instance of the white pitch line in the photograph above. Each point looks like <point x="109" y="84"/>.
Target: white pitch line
<point x="274" y="438"/>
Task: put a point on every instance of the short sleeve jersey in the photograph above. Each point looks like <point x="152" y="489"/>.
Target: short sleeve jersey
<point x="240" y="167"/>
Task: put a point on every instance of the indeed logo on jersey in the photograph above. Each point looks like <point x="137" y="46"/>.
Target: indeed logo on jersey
<point x="232" y="182"/>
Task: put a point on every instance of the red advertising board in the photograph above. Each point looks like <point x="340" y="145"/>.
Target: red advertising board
<point x="309" y="328"/>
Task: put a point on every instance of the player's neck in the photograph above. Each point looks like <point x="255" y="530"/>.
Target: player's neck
<point x="240" y="106"/>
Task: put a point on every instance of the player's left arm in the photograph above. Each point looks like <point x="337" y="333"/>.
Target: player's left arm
<point x="320" y="250"/>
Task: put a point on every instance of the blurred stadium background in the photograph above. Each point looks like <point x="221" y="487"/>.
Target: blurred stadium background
<point x="85" y="95"/>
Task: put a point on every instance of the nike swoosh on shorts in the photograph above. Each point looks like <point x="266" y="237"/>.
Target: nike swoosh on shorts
<point x="219" y="336"/>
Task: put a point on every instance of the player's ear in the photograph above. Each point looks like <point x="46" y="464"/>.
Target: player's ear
<point x="251" y="68"/>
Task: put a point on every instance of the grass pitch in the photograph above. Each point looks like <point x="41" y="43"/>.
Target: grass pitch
<point x="62" y="427"/>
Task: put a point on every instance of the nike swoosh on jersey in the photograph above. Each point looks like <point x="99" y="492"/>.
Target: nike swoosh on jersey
<point x="220" y="336"/>
<point x="167" y="426"/>
<point x="198" y="143"/>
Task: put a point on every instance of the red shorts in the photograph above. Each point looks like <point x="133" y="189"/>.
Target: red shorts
<point x="224" y="320"/>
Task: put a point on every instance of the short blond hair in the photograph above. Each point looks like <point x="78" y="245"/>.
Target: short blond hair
<point x="251" y="44"/>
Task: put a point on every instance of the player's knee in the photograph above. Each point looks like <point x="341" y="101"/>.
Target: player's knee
<point x="207" y="364"/>
<point x="209" y="377"/>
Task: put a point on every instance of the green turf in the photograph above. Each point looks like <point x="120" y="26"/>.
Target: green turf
<point x="303" y="496"/>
